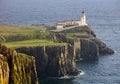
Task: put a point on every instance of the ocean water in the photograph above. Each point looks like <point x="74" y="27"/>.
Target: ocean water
<point x="102" y="15"/>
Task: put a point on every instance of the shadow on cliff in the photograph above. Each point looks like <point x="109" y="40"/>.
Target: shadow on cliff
<point x="56" y="81"/>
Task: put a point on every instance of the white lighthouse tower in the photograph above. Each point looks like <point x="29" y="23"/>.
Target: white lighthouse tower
<point x="83" y="19"/>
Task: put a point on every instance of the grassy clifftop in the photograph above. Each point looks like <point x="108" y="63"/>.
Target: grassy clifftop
<point x="33" y="43"/>
<point x="17" y="33"/>
<point x="55" y="52"/>
<point x="30" y="36"/>
<point x="79" y="32"/>
<point x="20" y="33"/>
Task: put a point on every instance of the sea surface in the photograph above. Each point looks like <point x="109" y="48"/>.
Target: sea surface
<point x="102" y="15"/>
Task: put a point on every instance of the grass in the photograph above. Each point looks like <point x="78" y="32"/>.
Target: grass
<point x="32" y="43"/>
<point x="25" y="55"/>
<point x="17" y="33"/>
<point x="76" y="35"/>
<point x="18" y="29"/>
<point x="16" y="36"/>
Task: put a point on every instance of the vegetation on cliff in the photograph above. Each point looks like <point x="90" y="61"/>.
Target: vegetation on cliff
<point x="54" y="60"/>
<point x="55" y="52"/>
<point x="45" y="37"/>
<point x="16" y="68"/>
<point x="33" y="43"/>
<point x="17" y="33"/>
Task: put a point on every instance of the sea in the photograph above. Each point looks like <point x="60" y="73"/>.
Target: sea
<point x="102" y="15"/>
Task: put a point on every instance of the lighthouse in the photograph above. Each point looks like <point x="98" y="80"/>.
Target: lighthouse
<point x="83" y="18"/>
<point x="68" y="23"/>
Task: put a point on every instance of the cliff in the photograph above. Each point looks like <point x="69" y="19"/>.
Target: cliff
<point x="4" y="70"/>
<point x="85" y="42"/>
<point x="103" y="48"/>
<point x="93" y="48"/>
<point x="89" y="50"/>
<point x="56" y="61"/>
<point x="55" y="53"/>
<point x="16" y="68"/>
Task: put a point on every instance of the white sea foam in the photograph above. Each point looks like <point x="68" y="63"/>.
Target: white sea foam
<point x="68" y="76"/>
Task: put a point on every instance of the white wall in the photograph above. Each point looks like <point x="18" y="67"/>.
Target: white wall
<point x="59" y="27"/>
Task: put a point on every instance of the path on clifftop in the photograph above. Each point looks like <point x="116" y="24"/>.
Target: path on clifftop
<point x="66" y="28"/>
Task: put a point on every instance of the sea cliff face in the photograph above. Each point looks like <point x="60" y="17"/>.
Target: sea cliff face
<point x="16" y="68"/>
<point x="103" y="49"/>
<point x="93" y="48"/>
<point x="4" y="70"/>
<point x="52" y="61"/>
<point x="86" y="44"/>
<point x="89" y="50"/>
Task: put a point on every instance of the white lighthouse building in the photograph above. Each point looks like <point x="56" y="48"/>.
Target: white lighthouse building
<point x="83" y="19"/>
<point x="81" y="22"/>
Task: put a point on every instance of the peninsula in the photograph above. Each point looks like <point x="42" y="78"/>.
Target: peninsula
<point x="34" y="52"/>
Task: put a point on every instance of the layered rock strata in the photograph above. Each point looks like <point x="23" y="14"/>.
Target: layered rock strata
<point x="16" y="68"/>
<point x="56" y="61"/>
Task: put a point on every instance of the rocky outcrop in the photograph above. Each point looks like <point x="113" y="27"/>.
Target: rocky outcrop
<point x="16" y="68"/>
<point x="58" y="37"/>
<point x="54" y="60"/>
<point x="92" y="48"/>
<point x="103" y="49"/>
<point x="89" y="47"/>
<point x="89" y="50"/>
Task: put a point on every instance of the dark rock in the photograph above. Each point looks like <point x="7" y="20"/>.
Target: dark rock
<point x="103" y="49"/>
<point x="89" y="50"/>
<point x="52" y="61"/>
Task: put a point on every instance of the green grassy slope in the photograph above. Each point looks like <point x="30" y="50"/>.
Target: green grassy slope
<point x="17" y="36"/>
<point x="32" y="43"/>
<point x="17" y="33"/>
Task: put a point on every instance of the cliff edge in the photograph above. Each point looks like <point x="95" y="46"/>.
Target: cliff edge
<point x="16" y="68"/>
<point x="52" y="61"/>
<point x="85" y="42"/>
<point x="55" y="52"/>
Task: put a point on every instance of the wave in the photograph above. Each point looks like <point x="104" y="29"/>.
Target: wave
<point x="69" y="76"/>
<point x="77" y="60"/>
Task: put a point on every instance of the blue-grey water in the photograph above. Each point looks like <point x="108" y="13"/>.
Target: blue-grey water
<point x="102" y="15"/>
